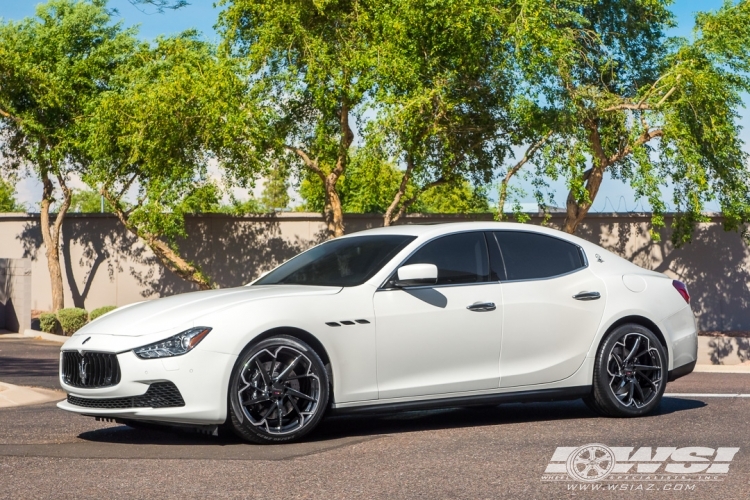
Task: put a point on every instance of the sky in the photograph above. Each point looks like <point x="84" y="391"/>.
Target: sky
<point x="202" y="15"/>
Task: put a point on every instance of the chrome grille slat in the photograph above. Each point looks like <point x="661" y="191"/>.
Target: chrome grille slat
<point x="102" y="369"/>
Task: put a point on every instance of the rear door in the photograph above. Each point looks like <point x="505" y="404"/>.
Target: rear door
<point x="553" y="305"/>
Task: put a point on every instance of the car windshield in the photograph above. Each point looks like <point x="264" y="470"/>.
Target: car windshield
<point x="340" y="262"/>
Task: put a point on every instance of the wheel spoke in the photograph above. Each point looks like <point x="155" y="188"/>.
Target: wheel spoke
<point x="298" y="394"/>
<point x="638" y="389"/>
<point x="263" y="373"/>
<point x="296" y="408"/>
<point x="630" y="392"/>
<point x="283" y="375"/>
<point x="634" y="349"/>
<point x="646" y="367"/>
<point x="255" y="401"/>
<point x="618" y="360"/>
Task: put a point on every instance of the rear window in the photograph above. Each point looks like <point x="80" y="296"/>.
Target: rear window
<point x="527" y="256"/>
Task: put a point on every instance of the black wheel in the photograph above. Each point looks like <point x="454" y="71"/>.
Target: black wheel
<point x="630" y="373"/>
<point x="278" y="391"/>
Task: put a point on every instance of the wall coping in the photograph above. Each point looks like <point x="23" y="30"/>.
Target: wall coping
<point x="317" y="217"/>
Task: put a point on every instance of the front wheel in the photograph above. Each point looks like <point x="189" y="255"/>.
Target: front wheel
<point x="630" y="373"/>
<point x="278" y="391"/>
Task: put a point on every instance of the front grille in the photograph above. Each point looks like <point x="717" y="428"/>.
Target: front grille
<point x="158" y="395"/>
<point x="90" y="369"/>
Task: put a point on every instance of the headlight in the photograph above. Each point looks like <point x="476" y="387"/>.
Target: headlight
<point x="173" y="346"/>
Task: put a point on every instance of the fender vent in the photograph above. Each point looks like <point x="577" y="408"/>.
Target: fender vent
<point x="348" y="322"/>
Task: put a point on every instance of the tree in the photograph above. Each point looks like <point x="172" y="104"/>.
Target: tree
<point x="51" y="68"/>
<point x="370" y="183"/>
<point x="8" y="202"/>
<point x="444" y="92"/>
<point x="656" y="112"/>
<point x="172" y="109"/>
<point x="311" y="64"/>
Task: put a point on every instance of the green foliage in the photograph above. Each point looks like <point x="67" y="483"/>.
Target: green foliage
<point x="275" y="193"/>
<point x="88" y="201"/>
<point x="456" y="198"/>
<point x="654" y="112"/>
<point x="100" y="311"/>
<point x="8" y="202"/>
<point x="48" y="323"/>
<point x="311" y="66"/>
<point x="72" y="319"/>
<point x="369" y="185"/>
<point x="52" y="67"/>
<point x="445" y="88"/>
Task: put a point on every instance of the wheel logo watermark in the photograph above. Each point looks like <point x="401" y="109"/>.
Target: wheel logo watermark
<point x="591" y="462"/>
<point x="663" y="468"/>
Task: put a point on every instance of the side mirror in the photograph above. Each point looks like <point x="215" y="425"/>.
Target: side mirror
<point x="417" y="275"/>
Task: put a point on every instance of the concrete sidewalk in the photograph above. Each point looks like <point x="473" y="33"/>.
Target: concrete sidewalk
<point x="35" y="334"/>
<point x="14" y="395"/>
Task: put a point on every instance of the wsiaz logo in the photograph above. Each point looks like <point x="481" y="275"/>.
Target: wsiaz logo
<point x="596" y="462"/>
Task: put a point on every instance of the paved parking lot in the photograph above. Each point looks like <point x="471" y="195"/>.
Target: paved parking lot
<point x="499" y="452"/>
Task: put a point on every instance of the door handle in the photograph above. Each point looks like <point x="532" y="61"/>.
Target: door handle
<point x="587" y="296"/>
<point x="482" y="306"/>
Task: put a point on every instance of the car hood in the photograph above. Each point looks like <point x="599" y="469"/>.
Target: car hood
<point x="153" y="316"/>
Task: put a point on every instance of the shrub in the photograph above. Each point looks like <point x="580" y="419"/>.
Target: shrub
<point x="72" y="319"/>
<point x="100" y="311"/>
<point x="49" y="324"/>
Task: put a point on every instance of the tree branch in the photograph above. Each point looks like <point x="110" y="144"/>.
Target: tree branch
<point x="411" y="200"/>
<point x="10" y="116"/>
<point x="530" y="151"/>
<point x="387" y="218"/>
<point x="311" y="164"/>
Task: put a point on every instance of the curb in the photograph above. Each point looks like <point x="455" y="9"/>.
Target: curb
<point x="15" y="395"/>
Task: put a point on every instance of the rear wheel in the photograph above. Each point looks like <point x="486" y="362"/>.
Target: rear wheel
<point x="278" y="391"/>
<point x="630" y="373"/>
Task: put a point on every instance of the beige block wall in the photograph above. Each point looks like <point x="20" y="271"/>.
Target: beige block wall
<point x="106" y="265"/>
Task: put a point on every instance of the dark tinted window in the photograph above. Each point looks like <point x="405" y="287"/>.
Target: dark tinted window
<point x="340" y="262"/>
<point x="497" y="268"/>
<point x="460" y="258"/>
<point x="533" y="256"/>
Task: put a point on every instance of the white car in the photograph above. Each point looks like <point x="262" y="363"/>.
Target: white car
<point x="397" y="318"/>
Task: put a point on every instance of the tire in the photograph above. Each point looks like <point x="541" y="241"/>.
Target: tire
<point x="278" y="391"/>
<point x="630" y="373"/>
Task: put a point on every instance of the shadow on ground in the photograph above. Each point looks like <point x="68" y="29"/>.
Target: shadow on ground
<point x="340" y="427"/>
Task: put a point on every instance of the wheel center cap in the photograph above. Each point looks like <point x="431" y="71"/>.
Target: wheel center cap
<point x="277" y="390"/>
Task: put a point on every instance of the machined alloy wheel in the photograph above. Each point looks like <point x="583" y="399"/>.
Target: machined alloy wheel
<point x="630" y="373"/>
<point x="279" y="391"/>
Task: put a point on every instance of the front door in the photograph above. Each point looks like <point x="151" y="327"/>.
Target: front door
<point x="443" y="338"/>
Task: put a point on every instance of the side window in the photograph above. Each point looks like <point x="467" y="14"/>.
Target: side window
<point x="460" y="258"/>
<point x="528" y="256"/>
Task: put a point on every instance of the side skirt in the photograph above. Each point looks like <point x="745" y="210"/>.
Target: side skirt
<point x="544" y="395"/>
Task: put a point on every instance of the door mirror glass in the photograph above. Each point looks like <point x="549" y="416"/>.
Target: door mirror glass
<point x="416" y="275"/>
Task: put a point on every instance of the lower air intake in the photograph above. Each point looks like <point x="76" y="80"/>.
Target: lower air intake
<point x="158" y="395"/>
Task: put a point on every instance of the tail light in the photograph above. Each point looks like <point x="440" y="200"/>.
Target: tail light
<point x="680" y="287"/>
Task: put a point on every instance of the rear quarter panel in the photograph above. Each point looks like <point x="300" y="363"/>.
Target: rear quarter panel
<point x="656" y="299"/>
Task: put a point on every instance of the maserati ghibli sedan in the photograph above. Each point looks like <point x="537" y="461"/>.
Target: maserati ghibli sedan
<point x="398" y="318"/>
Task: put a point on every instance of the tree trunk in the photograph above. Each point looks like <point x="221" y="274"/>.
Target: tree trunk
<point x="576" y="211"/>
<point x="51" y="237"/>
<point x="333" y="212"/>
<point x="389" y="217"/>
<point x="166" y="255"/>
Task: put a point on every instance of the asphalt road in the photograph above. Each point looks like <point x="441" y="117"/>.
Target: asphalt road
<point x="499" y="452"/>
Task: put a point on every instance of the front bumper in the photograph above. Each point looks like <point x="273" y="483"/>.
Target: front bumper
<point x="201" y="377"/>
